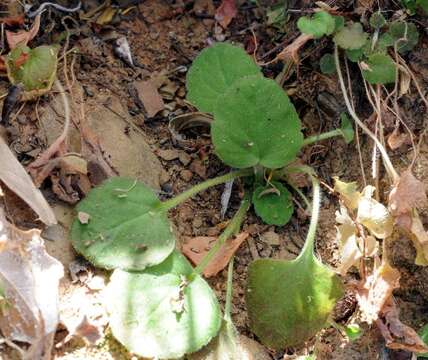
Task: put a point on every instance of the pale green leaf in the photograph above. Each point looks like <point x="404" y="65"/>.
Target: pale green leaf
<point x="125" y="228"/>
<point x="351" y="37"/>
<point x="320" y="24"/>
<point x="159" y="313"/>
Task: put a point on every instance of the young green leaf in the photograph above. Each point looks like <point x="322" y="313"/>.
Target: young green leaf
<point x="339" y="22"/>
<point x="351" y="37"/>
<point x="125" y="230"/>
<point x="320" y="24"/>
<point x="159" y="313"/>
<point x="327" y="64"/>
<point x="346" y="128"/>
<point x="381" y="69"/>
<point x="377" y="20"/>
<point x="255" y="123"/>
<point x="353" y="332"/>
<point x="214" y="70"/>
<point x="273" y="203"/>
<point x="305" y="293"/>
<point x="354" y="55"/>
<point x="35" y="69"/>
<point x="423" y="333"/>
<point x="405" y="33"/>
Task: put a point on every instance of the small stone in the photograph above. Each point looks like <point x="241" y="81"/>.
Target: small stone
<point x="168" y="154"/>
<point x="198" y="167"/>
<point x="270" y="238"/>
<point x="184" y="158"/>
<point x="186" y="175"/>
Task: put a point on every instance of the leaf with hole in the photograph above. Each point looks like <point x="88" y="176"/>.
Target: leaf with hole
<point x="160" y="313"/>
<point x="126" y="229"/>
<point x="305" y="292"/>
<point x="320" y="24"/>
<point x="214" y="71"/>
<point x="380" y="69"/>
<point x="273" y="203"/>
<point x="256" y="124"/>
<point x="351" y="37"/>
<point x="327" y="64"/>
<point x="405" y="34"/>
<point x="35" y="69"/>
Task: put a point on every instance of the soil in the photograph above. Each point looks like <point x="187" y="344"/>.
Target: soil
<point x="164" y="37"/>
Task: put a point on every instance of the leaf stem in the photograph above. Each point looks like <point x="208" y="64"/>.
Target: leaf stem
<point x="173" y="202"/>
<point x="327" y="135"/>
<point x="229" y="291"/>
<point x="387" y="161"/>
<point x="231" y="229"/>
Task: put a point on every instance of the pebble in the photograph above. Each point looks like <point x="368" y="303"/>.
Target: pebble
<point x="186" y="175"/>
<point x="184" y="158"/>
<point x="270" y="238"/>
<point x="168" y="154"/>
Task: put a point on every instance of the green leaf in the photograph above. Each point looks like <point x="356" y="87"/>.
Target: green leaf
<point x="339" y="22"/>
<point x="273" y="203"/>
<point x="256" y="124"/>
<point x="354" y="55"/>
<point x="288" y="302"/>
<point x="37" y="73"/>
<point x="327" y="64"/>
<point x="125" y="229"/>
<point x="320" y="24"/>
<point x="353" y="332"/>
<point x="423" y="4"/>
<point x="214" y="71"/>
<point x="351" y="37"/>
<point x="346" y="128"/>
<point x="377" y="20"/>
<point x="385" y="41"/>
<point x="381" y="69"/>
<point x="158" y="313"/>
<point x="423" y="333"/>
<point x="406" y="33"/>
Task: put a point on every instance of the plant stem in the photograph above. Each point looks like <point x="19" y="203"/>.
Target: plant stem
<point x="387" y="162"/>
<point x="312" y="139"/>
<point x="229" y="291"/>
<point x="171" y="203"/>
<point x="232" y="228"/>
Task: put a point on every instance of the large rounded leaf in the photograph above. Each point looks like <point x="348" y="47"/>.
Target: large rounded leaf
<point x="256" y="124"/>
<point x="124" y="230"/>
<point x="320" y="24"/>
<point x="214" y="70"/>
<point x="380" y="69"/>
<point x="157" y="314"/>
<point x="273" y="203"/>
<point x="288" y="302"/>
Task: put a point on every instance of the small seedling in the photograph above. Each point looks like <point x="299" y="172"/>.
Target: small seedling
<point x="257" y="130"/>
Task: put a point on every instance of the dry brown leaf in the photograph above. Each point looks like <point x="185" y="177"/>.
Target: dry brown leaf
<point x="396" y="139"/>
<point x="16" y="178"/>
<point x="408" y="194"/>
<point x="348" y="193"/>
<point x="150" y="97"/>
<point x="396" y="334"/>
<point x="196" y="248"/>
<point x="226" y="12"/>
<point x="29" y="278"/>
<point x="377" y="289"/>
<point x="22" y="37"/>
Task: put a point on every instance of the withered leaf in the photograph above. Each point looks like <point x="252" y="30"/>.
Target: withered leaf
<point x="377" y="289"/>
<point x="196" y="248"/>
<point x="226" y="12"/>
<point x="396" y="334"/>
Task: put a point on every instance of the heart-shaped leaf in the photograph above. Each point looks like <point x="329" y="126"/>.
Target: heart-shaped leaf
<point x="320" y="24"/>
<point x="35" y="69"/>
<point x="255" y="123"/>
<point x="159" y="313"/>
<point x="381" y="69"/>
<point x="214" y="70"/>
<point x="125" y="228"/>
<point x="273" y="203"/>
<point x="405" y="33"/>
<point x="288" y="302"/>
<point x="351" y="37"/>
